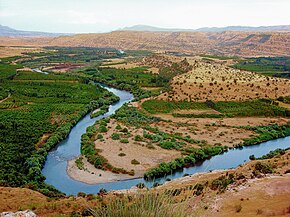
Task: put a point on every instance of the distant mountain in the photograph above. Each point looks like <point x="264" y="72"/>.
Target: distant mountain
<point x="7" y="31"/>
<point x="245" y="28"/>
<point x="145" y="28"/>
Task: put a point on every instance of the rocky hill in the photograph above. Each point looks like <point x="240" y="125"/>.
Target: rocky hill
<point x="222" y="43"/>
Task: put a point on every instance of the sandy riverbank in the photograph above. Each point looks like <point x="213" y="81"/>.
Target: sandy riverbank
<point x="92" y="175"/>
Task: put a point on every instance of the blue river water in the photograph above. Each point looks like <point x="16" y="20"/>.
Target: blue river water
<point x="56" y="164"/>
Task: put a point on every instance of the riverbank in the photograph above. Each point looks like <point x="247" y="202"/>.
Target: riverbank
<point x="92" y="175"/>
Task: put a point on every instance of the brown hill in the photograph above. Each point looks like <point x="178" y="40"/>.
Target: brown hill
<point x="224" y="43"/>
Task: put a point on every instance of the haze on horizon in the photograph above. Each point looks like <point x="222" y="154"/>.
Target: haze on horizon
<point x="74" y="16"/>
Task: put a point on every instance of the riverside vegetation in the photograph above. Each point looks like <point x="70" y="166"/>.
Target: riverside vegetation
<point x="39" y="113"/>
<point x="42" y="109"/>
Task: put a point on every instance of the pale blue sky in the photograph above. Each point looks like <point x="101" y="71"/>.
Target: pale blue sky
<point x="106" y="15"/>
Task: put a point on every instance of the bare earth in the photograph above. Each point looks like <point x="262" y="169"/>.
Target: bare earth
<point x="17" y="51"/>
<point x="92" y="175"/>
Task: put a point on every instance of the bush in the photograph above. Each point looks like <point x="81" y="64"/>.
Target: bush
<point x="124" y="141"/>
<point x="118" y="127"/>
<point x="100" y="136"/>
<point x="102" y="129"/>
<point x="115" y="136"/>
<point x="263" y="167"/>
<point x="135" y="162"/>
<point x="140" y="185"/>
<point x="138" y="138"/>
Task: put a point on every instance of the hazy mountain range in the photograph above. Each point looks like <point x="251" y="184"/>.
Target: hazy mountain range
<point x="146" y="28"/>
<point x="7" y="31"/>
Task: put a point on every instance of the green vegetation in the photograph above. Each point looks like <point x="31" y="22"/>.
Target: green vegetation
<point x="92" y="154"/>
<point x="266" y="133"/>
<point x="199" y="154"/>
<point x="7" y="71"/>
<point x="271" y="154"/>
<point x="221" y="183"/>
<point x="38" y="105"/>
<point x="133" y="80"/>
<point x="160" y="106"/>
<point x="273" y="66"/>
<point x="115" y="136"/>
<point x="250" y="108"/>
<point x="132" y="116"/>
<point x="135" y="162"/>
<point x="284" y="99"/>
<point x="79" y="162"/>
<point x="198" y="115"/>
<point x="75" y="55"/>
<point x="124" y="140"/>
<point x="264" y="168"/>
<point x="264" y="108"/>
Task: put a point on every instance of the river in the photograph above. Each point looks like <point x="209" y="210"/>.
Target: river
<point x="55" y="168"/>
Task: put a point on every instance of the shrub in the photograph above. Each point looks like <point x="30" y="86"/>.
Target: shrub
<point x="263" y="167"/>
<point x="140" y="185"/>
<point x="103" y="129"/>
<point x="100" y="136"/>
<point x="124" y="140"/>
<point x="125" y="130"/>
<point x="115" y="136"/>
<point x="121" y="154"/>
<point x="81" y="194"/>
<point x="118" y="127"/>
<point x="135" y="162"/>
<point x="138" y="138"/>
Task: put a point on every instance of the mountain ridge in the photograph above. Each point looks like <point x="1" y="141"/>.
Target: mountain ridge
<point x="148" y="28"/>
<point x="8" y="31"/>
<point x="229" y="43"/>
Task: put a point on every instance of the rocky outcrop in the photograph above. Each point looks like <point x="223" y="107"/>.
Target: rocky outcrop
<point x="26" y="213"/>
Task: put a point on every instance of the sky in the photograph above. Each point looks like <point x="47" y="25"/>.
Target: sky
<point x="84" y="16"/>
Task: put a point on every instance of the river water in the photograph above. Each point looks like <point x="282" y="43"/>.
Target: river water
<point x="56" y="164"/>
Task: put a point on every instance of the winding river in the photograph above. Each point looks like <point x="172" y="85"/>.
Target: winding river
<point x="56" y="164"/>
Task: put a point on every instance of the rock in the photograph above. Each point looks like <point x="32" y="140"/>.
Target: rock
<point x="26" y="213"/>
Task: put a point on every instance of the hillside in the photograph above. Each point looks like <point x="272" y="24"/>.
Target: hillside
<point x="248" y="190"/>
<point x="222" y="43"/>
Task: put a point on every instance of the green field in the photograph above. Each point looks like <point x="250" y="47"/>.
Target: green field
<point x="272" y="66"/>
<point x="259" y="108"/>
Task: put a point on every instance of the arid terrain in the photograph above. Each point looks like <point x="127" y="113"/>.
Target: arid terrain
<point x="223" y="43"/>
<point x="218" y="82"/>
